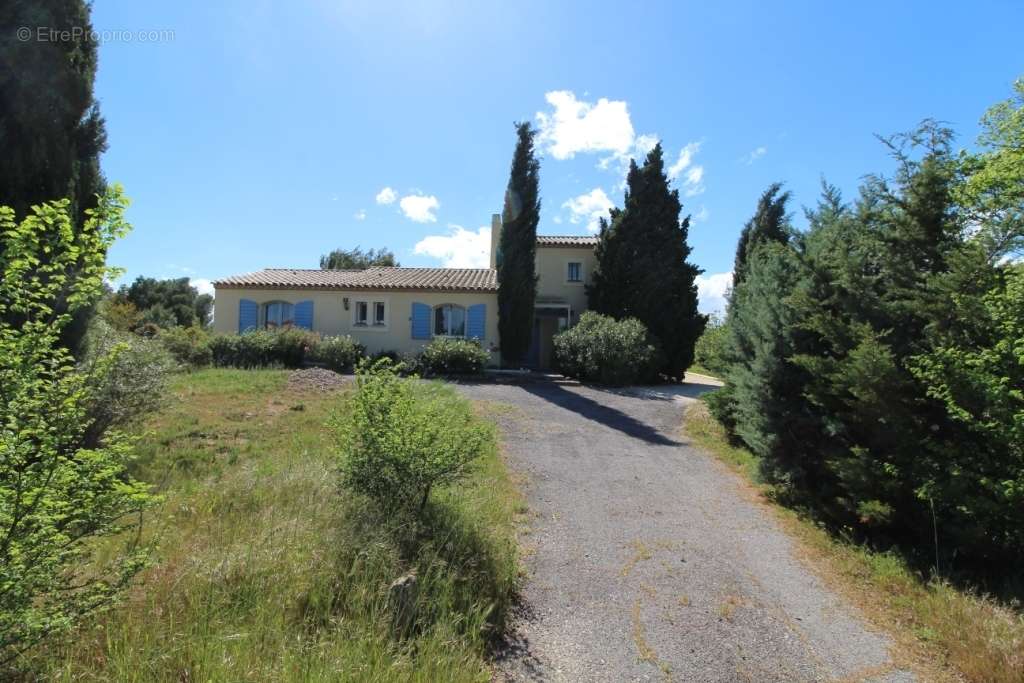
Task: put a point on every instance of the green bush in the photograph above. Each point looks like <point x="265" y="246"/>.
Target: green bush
<point x="710" y="348"/>
<point x="608" y="351"/>
<point x="264" y="348"/>
<point x="339" y="353"/>
<point x="190" y="346"/>
<point x="399" y="439"/>
<point x="453" y="357"/>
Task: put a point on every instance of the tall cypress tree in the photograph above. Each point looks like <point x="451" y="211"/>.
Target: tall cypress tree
<point x="642" y="268"/>
<point x="517" y="279"/>
<point x="51" y="131"/>
<point x="769" y="223"/>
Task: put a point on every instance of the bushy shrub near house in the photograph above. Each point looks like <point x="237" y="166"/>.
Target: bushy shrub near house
<point x="190" y="346"/>
<point x="340" y="353"/>
<point x="453" y="357"/>
<point x="708" y="354"/>
<point x="399" y="439"/>
<point x="608" y="351"/>
<point x="264" y="348"/>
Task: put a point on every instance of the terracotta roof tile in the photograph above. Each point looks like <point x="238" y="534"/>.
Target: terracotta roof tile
<point x="566" y="240"/>
<point x="381" y="278"/>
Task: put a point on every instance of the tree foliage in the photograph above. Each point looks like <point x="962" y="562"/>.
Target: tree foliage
<point x="642" y="268"/>
<point x="165" y="303"/>
<point x="517" y="248"/>
<point x="769" y="223"/>
<point x="57" y="492"/>
<point x="357" y="259"/>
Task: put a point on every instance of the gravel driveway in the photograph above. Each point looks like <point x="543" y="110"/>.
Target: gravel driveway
<point x="647" y="561"/>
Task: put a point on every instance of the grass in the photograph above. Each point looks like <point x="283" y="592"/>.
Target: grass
<point x="942" y="632"/>
<point x="264" y="570"/>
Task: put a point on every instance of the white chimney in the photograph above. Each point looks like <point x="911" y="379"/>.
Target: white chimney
<point x="495" y="238"/>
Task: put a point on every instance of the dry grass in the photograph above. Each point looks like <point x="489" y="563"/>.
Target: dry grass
<point x="944" y="633"/>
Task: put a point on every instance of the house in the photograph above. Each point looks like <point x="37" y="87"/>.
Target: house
<point x="401" y="309"/>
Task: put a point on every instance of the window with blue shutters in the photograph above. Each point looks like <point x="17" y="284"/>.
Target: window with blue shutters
<point x="304" y="314"/>
<point x="420" y="321"/>
<point x="248" y="315"/>
<point x="476" y="321"/>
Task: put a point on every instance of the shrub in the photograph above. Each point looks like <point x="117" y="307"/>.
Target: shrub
<point x="264" y="348"/>
<point x="608" y="351"/>
<point x="453" y="357"/>
<point x="339" y="353"/>
<point x="399" y="439"/>
<point x="710" y="349"/>
<point x="132" y="383"/>
<point x="58" y="496"/>
<point x="190" y="346"/>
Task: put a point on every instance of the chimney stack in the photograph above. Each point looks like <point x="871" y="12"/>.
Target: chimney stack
<point x="495" y="238"/>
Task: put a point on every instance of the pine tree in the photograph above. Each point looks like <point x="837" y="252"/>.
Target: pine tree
<point x="769" y="223"/>
<point x="517" y="279"/>
<point x="642" y="268"/>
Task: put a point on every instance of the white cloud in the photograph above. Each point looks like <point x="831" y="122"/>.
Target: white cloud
<point x="686" y="155"/>
<point x="577" y="126"/>
<point x="589" y="207"/>
<point x="693" y="184"/>
<point x="420" y="208"/>
<point x="756" y="154"/>
<point x="712" y="291"/>
<point x="360" y="215"/>
<point x="702" y="215"/>
<point x="460" y="248"/>
<point x="202" y="284"/>
<point x="692" y="174"/>
<point x="386" y="196"/>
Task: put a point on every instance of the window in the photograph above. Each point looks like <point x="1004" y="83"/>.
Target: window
<point x="362" y="312"/>
<point x="449" y="321"/>
<point x="378" y="313"/>
<point x="575" y="273"/>
<point x="278" y="314"/>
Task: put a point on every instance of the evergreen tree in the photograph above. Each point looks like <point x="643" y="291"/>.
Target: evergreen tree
<point x="517" y="279"/>
<point x="769" y="223"/>
<point x="51" y="131"/>
<point x="357" y="259"/>
<point x="642" y="268"/>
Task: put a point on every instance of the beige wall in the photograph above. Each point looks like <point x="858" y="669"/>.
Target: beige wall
<point x="331" y="318"/>
<point x="553" y="271"/>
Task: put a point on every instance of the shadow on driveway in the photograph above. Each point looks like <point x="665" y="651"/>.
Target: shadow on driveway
<point x="555" y="392"/>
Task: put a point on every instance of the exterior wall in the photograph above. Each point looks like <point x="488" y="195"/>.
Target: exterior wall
<point x="552" y="269"/>
<point x="331" y="318"/>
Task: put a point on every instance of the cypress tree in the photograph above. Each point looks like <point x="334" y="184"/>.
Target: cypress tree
<point x="51" y="131"/>
<point x="769" y="223"/>
<point x="517" y="279"/>
<point x="642" y="268"/>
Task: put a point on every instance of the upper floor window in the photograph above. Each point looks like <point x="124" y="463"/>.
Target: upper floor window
<point x="278" y="314"/>
<point x="449" y="321"/>
<point x="575" y="272"/>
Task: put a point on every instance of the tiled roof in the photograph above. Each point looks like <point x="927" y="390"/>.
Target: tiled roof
<point x="417" y="279"/>
<point x="566" y="240"/>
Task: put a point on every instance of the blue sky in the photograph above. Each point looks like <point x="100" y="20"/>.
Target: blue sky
<point x="255" y="134"/>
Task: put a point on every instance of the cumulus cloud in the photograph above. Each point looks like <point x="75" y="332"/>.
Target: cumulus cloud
<point x="460" y="248"/>
<point x="589" y="207"/>
<point x="202" y="284"/>
<point x="712" y="291"/>
<point x="577" y="126"/>
<point x="419" y="207"/>
<point x="692" y="174"/>
<point x="359" y="215"/>
<point x="756" y="154"/>
<point x="386" y="196"/>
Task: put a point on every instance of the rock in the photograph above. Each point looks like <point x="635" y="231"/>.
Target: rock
<point x="402" y="602"/>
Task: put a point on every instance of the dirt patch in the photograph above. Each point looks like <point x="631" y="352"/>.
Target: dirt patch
<point x="316" y="379"/>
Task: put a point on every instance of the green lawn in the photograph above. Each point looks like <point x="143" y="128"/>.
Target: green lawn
<point x="265" y="570"/>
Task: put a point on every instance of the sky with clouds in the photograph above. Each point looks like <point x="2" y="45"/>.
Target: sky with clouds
<point x="265" y="134"/>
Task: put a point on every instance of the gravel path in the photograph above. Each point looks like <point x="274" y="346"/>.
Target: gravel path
<point x="648" y="562"/>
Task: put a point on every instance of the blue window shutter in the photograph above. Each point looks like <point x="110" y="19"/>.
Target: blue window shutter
<point x="304" y="314"/>
<point x="248" y="315"/>
<point x="420" y="321"/>
<point x="476" y="319"/>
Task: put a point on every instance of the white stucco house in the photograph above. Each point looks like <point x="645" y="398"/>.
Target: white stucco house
<point x="401" y="309"/>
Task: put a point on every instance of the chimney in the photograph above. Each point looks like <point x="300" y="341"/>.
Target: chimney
<point x="495" y="238"/>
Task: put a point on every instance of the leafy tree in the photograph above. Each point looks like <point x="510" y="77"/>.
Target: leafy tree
<point x="166" y="303"/>
<point x="51" y="131"/>
<point x="357" y="259"/>
<point x="769" y="223"/>
<point x="57" y="494"/>
<point x="517" y="279"/>
<point x="642" y="268"/>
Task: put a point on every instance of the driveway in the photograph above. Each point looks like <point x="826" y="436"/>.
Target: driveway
<point x="647" y="560"/>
